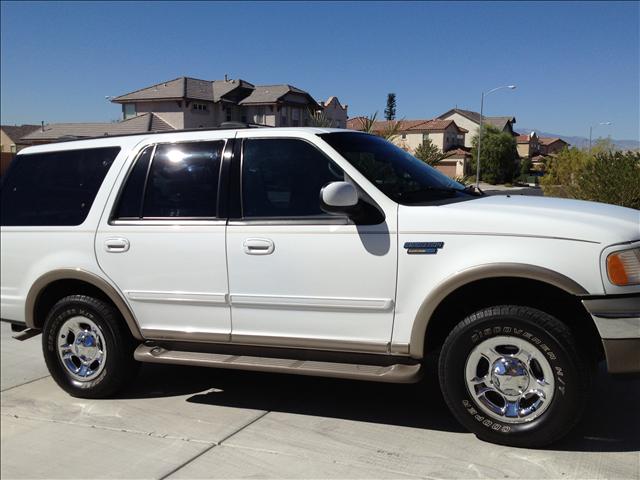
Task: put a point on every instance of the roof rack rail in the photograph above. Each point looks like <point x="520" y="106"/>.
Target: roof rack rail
<point x="223" y="126"/>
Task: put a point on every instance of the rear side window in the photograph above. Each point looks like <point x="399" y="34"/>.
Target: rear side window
<point x="53" y="188"/>
<point x="181" y="180"/>
<point x="283" y="178"/>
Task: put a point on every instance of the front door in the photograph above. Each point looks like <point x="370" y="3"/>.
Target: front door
<point x="299" y="277"/>
<point x="163" y="244"/>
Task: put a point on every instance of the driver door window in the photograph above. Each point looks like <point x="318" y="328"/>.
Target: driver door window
<point x="282" y="178"/>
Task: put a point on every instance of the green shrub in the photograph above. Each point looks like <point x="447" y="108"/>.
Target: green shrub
<point x="611" y="178"/>
<point x="608" y="177"/>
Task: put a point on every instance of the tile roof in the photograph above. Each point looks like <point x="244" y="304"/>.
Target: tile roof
<point x="172" y="89"/>
<point x="523" y="139"/>
<point x="148" y="122"/>
<point x="498" y="122"/>
<point x="357" y="123"/>
<point x="549" y="140"/>
<point x="458" y="152"/>
<point x="212" y="91"/>
<point x="271" y="94"/>
<point x="16" y="132"/>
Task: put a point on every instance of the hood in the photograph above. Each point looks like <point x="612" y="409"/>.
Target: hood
<point x="522" y="215"/>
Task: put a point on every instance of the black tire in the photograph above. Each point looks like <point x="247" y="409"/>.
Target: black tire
<point x="119" y="366"/>
<point x="571" y="375"/>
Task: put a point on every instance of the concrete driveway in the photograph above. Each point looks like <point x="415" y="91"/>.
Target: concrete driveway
<point x="183" y="422"/>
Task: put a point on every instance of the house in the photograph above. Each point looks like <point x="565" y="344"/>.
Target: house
<point x="186" y="103"/>
<point x="528" y="145"/>
<point x="470" y="121"/>
<point x="147" y="122"/>
<point x="335" y="112"/>
<point x="11" y="142"/>
<point x="552" y="145"/>
<point x="457" y="164"/>
<point x="444" y="134"/>
<point x="189" y="103"/>
<point x="11" y="135"/>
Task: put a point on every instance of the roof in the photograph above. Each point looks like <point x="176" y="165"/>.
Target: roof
<point x="458" y="152"/>
<point x="357" y="123"/>
<point x="184" y="88"/>
<point x="16" y="132"/>
<point x="522" y="139"/>
<point x="498" y="122"/>
<point x="549" y="140"/>
<point x="148" y="122"/>
<point x="272" y="94"/>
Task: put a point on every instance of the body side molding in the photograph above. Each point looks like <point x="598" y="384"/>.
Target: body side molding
<point x="481" y="272"/>
<point x="91" y="278"/>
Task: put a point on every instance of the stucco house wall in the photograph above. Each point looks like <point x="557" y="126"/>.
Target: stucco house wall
<point x="170" y="111"/>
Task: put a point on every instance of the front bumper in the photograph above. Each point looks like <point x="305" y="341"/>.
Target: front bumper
<point x="617" y="318"/>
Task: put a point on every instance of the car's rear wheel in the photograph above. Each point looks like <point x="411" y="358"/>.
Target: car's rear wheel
<point x="87" y="349"/>
<point x="514" y="375"/>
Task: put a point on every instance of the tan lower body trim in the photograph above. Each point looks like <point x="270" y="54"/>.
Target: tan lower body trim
<point x="268" y="341"/>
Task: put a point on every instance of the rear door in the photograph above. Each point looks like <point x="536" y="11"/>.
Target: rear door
<point x="163" y="242"/>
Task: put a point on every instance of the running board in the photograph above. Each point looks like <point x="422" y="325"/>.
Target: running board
<point x="398" y="373"/>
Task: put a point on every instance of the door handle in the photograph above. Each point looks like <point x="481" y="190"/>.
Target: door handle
<point x="116" y="245"/>
<point x="258" y="246"/>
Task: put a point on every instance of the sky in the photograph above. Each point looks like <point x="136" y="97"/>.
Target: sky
<point x="574" y="64"/>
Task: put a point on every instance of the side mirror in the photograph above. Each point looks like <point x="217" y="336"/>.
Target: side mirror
<point x="339" y="198"/>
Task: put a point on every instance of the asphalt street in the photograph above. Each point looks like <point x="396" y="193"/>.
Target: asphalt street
<point x="185" y="422"/>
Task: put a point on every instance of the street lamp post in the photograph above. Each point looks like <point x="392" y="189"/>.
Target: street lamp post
<point x="510" y="87"/>
<point x="591" y="131"/>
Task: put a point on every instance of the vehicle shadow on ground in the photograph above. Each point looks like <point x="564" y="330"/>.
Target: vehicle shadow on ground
<point x="610" y="424"/>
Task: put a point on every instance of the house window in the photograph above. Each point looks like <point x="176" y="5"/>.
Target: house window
<point x="404" y="136"/>
<point x="258" y="117"/>
<point x="129" y="110"/>
<point x="199" y="107"/>
<point x="425" y="137"/>
<point x="283" y="121"/>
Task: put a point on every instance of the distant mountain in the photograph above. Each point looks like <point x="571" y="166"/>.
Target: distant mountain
<point x="581" y="142"/>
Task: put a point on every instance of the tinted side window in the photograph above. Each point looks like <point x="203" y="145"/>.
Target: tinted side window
<point x="130" y="204"/>
<point x="283" y="178"/>
<point x="54" y="188"/>
<point x="183" y="180"/>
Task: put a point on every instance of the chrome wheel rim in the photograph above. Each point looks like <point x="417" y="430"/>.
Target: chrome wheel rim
<point x="81" y="348"/>
<point x="510" y="379"/>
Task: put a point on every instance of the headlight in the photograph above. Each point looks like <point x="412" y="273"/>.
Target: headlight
<point x="623" y="267"/>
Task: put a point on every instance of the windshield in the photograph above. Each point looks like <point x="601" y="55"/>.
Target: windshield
<point x="399" y="175"/>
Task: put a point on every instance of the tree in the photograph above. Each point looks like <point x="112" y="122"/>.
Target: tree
<point x="390" y="111"/>
<point x="604" y="176"/>
<point x="498" y="155"/>
<point x="525" y="167"/>
<point x="389" y="131"/>
<point x="320" y="119"/>
<point x="429" y="153"/>
<point x="611" y="177"/>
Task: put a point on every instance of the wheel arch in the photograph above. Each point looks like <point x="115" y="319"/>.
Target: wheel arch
<point x="456" y="283"/>
<point x="61" y="282"/>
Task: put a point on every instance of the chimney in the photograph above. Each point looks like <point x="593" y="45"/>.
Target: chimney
<point x="42" y="125"/>
<point x="226" y="77"/>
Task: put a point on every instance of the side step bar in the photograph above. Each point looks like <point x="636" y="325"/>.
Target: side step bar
<point x="398" y="373"/>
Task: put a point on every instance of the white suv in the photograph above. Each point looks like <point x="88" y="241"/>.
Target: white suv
<point x="317" y="252"/>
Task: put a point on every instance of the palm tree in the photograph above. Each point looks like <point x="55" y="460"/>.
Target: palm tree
<point x="320" y="119"/>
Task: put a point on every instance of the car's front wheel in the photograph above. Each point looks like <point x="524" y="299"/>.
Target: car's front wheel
<point x="514" y="375"/>
<point x="87" y="349"/>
